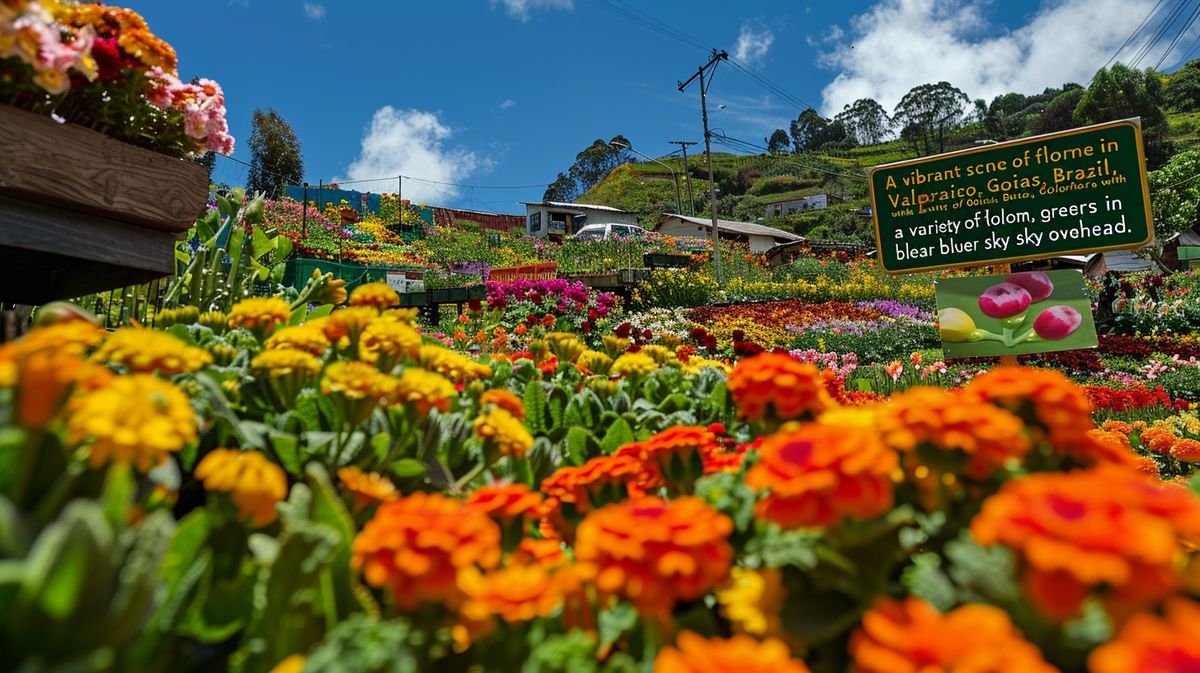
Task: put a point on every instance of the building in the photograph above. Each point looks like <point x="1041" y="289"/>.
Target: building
<point x="761" y="238"/>
<point x="556" y="219"/>
<point x="781" y="208"/>
<point x="447" y="217"/>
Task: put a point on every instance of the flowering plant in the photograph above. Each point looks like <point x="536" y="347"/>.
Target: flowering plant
<point x="101" y="67"/>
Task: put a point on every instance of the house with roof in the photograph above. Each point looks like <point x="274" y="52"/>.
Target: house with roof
<point x="556" y="219"/>
<point x="796" y="205"/>
<point x="761" y="238"/>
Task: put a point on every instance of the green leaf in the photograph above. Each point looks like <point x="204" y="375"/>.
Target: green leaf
<point x="119" y="490"/>
<point x="319" y="312"/>
<point x="407" y="468"/>
<point x="618" y="434"/>
<point x="577" y="445"/>
<point x="615" y="622"/>
<point x="925" y="579"/>
<point x="287" y="448"/>
<point x="535" y="408"/>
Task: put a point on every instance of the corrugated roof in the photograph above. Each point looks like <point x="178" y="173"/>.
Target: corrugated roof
<point x="748" y="228"/>
<point x="1189" y="237"/>
<point x="560" y="204"/>
<point x="1124" y="261"/>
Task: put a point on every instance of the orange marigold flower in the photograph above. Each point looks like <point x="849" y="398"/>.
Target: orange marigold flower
<point x="253" y="483"/>
<point x="415" y="546"/>
<point x="348" y="323"/>
<point x="368" y="488"/>
<point x="1148" y="643"/>
<point x="678" y="453"/>
<point x="1105" y="528"/>
<point x="1157" y="440"/>
<point x="376" y="294"/>
<point x="656" y="552"/>
<point x="46" y="365"/>
<point x="779" y="386"/>
<point x="819" y="474"/>
<point x="1187" y="450"/>
<point x="259" y="314"/>
<point x="741" y="654"/>
<point x="506" y="502"/>
<point x="516" y="593"/>
<point x="355" y="388"/>
<point x="1118" y="426"/>
<point x="910" y="636"/>
<point x="546" y="552"/>
<point x="600" y="481"/>
<point x="988" y="438"/>
<point x="1055" y="409"/>
<point x="505" y="400"/>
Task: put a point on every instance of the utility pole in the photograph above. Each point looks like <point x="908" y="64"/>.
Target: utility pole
<point x="683" y="145"/>
<point x="712" y="188"/>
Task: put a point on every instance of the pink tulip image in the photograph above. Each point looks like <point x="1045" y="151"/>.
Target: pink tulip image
<point x="1004" y="300"/>
<point x="1037" y="283"/>
<point x="1057" y="322"/>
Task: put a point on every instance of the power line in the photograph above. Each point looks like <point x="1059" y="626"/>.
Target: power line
<point x="1178" y="36"/>
<point x="1154" y="10"/>
<point x="406" y="177"/>
<point x="1162" y="29"/>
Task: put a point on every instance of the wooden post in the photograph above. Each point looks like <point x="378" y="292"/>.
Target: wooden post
<point x="1006" y="360"/>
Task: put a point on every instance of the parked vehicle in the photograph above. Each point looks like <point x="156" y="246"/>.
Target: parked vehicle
<point x="609" y="230"/>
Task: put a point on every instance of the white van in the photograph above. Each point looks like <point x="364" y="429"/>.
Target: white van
<point x="609" y="230"/>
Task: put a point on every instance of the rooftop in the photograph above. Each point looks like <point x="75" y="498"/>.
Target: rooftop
<point x="560" y="204"/>
<point x="747" y="228"/>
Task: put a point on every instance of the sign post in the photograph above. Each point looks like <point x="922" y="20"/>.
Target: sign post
<point x="1065" y="193"/>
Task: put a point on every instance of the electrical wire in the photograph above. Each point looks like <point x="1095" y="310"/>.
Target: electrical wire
<point x="1162" y="29"/>
<point x="393" y="177"/>
<point x="1153" y="10"/>
<point x="1178" y="36"/>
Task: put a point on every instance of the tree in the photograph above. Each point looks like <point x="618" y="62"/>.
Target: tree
<point x="807" y="130"/>
<point x="866" y="121"/>
<point x="275" y="160"/>
<point x="778" y="142"/>
<point x="1121" y="92"/>
<point x="591" y="165"/>
<point x="1182" y="92"/>
<point x="1175" y="194"/>
<point x="1059" y="112"/>
<point x="928" y="111"/>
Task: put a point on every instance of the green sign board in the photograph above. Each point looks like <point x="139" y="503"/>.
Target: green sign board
<point x="1059" y="194"/>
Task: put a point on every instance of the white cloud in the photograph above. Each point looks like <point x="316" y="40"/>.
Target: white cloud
<point x="753" y="45"/>
<point x="900" y="44"/>
<point x="413" y="143"/>
<point x="508" y="102"/>
<point x="314" y="11"/>
<point x="519" y="9"/>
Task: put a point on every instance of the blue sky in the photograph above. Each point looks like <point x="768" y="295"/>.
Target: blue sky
<point x="506" y="92"/>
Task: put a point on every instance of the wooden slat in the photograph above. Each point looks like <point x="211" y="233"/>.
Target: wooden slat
<point x="48" y="253"/>
<point x="80" y="169"/>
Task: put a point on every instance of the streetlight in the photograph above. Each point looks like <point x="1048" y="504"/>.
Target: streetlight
<point x="617" y="144"/>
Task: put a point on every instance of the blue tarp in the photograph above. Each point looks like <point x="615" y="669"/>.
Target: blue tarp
<point x="355" y="199"/>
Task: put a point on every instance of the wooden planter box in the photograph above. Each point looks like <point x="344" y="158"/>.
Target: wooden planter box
<point x="656" y="260"/>
<point x="81" y="212"/>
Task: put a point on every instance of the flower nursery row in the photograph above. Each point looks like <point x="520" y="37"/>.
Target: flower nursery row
<point x="287" y="487"/>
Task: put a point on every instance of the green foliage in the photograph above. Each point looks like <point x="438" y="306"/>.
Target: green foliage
<point x="1120" y="92"/>
<point x="1175" y="195"/>
<point x="362" y="644"/>
<point x="591" y="165"/>
<point x="928" y="112"/>
<point x="275" y="159"/>
<point x="1182" y="92"/>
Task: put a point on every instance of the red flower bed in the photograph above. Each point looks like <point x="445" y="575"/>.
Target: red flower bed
<point x="1128" y="399"/>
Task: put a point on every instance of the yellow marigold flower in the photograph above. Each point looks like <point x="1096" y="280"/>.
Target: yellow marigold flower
<point x="695" y="365"/>
<point x="614" y="346"/>
<point x="505" y="400"/>
<point x="404" y="315"/>
<point x="741" y="654"/>
<point x="348" y="323"/>
<point x="421" y="390"/>
<point x="355" y="388"/>
<point x="385" y="341"/>
<point x="566" y="346"/>
<point x="287" y="371"/>
<point x="661" y="354"/>
<point x="260" y="314"/>
<point x="376" y="294"/>
<point x="253" y="483"/>
<point x="595" y="362"/>
<point x="454" y="366"/>
<point x="214" y="320"/>
<point x="504" y="432"/>
<point x="634" y="364"/>
<point x="308" y="337"/>
<point x="148" y="351"/>
<point x="137" y="419"/>
<point x="368" y="488"/>
<point x="752" y="600"/>
<point x="44" y="366"/>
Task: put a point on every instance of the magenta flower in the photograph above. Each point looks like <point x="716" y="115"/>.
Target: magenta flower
<point x="1004" y="300"/>
<point x="1057" y="322"/>
<point x="1037" y="283"/>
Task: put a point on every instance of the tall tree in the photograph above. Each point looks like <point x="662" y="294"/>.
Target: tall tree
<point x="1182" y="92"/>
<point x="807" y="130"/>
<point x="778" y="142"/>
<point x="865" y="120"/>
<point x="927" y="112"/>
<point x="1120" y="92"/>
<point x="275" y="159"/>
<point x="591" y="165"/>
<point x="1059" y="112"/>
